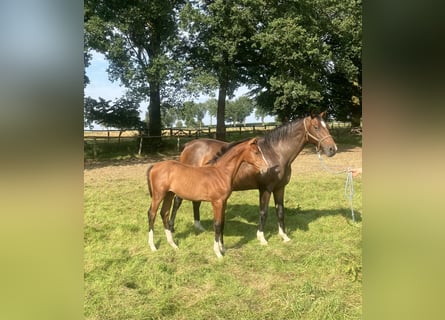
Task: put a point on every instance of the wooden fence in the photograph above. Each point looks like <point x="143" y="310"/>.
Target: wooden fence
<point x="94" y="140"/>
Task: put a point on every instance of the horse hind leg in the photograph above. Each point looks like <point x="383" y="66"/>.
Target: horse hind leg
<point x="151" y="214"/>
<point x="196" y="216"/>
<point x="176" y="204"/>
<point x="165" y="210"/>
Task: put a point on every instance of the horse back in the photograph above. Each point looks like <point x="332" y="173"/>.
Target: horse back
<point x="199" y="152"/>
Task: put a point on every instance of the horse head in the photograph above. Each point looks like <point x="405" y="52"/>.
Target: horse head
<point x="317" y="132"/>
<point x="256" y="157"/>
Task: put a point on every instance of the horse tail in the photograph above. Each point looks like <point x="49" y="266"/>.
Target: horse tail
<point x="148" y="179"/>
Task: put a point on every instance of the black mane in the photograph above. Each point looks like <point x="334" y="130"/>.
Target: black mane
<point x="279" y="133"/>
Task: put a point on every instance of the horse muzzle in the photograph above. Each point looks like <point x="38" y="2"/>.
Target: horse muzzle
<point x="329" y="150"/>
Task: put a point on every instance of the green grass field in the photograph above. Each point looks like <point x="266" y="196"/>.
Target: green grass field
<point x="318" y="275"/>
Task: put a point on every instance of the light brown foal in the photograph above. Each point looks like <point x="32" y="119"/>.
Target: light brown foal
<point x="212" y="183"/>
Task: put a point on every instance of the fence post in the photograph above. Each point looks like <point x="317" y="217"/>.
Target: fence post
<point x="140" y="145"/>
<point x="94" y="148"/>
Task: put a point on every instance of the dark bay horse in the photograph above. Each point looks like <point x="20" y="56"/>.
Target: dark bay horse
<point x="211" y="182"/>
<point x="280" y="147"/>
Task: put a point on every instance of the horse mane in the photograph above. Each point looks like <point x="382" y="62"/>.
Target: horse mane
<point x="224" y="150"/>
<point x="280" y="133"/>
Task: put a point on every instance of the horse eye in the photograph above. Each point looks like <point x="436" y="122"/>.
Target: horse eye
<point x="316" y="127"/>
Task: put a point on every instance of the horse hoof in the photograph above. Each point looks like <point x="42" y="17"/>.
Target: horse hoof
<point x="151" y="242"/>
<point x="260" y="236"/>
<point x="217" y="250"/>
<point x="170" y="241"/>
<point x="198" y="226"/>
<point x="283" y="235"/>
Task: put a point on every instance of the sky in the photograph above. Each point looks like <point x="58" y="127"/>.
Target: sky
<point x="101" y="86"/>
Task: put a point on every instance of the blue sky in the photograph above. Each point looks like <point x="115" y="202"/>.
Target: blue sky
<point x="101" y="86"/>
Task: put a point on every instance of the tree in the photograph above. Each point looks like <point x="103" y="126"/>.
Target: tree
<point x="343" y="21"/>
<point x="292" y="54"/>
<point x="193" y="113"/>
<point x="188" y="114"/>
<point x="169" y="116"/>
<point x="306" y="54"/>
<point x="260" y="114"/>
<point x="216" y="37"/>
<point x="137" y="37"/>
<point x="238" y="110"/>
<point x="122" y="114"/>
<point x="211" y="106"/>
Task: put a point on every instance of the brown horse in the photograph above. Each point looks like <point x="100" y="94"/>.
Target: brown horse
<point x="212" y="182"/>
<point x="280" y="148"/>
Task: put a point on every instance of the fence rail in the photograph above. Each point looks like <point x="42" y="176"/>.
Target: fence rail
<point x="131" y="141"/>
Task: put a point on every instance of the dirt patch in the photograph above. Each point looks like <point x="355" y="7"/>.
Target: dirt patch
<point x="306" y="162"/>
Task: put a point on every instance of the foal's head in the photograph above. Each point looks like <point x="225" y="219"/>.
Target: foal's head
<point x="254" y="155"/>
<point x="317" y="132"/>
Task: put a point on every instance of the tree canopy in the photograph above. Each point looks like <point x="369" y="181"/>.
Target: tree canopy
<point x="122" y="113"/>
<point x="137" y="37"/>
<point x="294" y="56"/>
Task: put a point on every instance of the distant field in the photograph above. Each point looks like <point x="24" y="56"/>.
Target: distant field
<point x="110" y="133"/>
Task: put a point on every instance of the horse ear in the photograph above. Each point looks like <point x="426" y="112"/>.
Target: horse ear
<point x="254" y="141"/>
<point x="323" y="114"/>
<point x="314" y="113"/>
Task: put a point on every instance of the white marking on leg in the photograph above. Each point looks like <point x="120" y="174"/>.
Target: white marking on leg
<point x="169" y="236"/>
<point x="151" y="241"/>
<point x="221" y="247"/>
<point x="217" y="250"/>
<point x="260" y="236"/>
<point x="283" y="235"/>
<point x="198" y="226"/>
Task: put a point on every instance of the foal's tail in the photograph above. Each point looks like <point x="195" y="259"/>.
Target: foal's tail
<point x="148" y="179"/>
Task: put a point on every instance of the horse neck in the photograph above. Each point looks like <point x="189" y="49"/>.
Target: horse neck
<point x="291" y="143"/>
<point x="230" y="162"/>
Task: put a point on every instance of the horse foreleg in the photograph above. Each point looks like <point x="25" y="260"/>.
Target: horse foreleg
<point x="196" y="216"/>
<point x="264" y="207"/>
<point x="279" y="207"/>
<point x="219" y="210"/>
<point x="165" y="211"/>
<point x="176" y="204"/>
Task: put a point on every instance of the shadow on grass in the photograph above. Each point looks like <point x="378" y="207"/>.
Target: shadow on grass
<point x="242" y="220"/>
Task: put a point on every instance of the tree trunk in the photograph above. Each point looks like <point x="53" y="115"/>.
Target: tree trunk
<point x="356" y="116"/>
<point x="153" y="77"/>
<point x="221" y="113"/>
<point x="154" y="111"/>
<point x="153" y="142"/>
